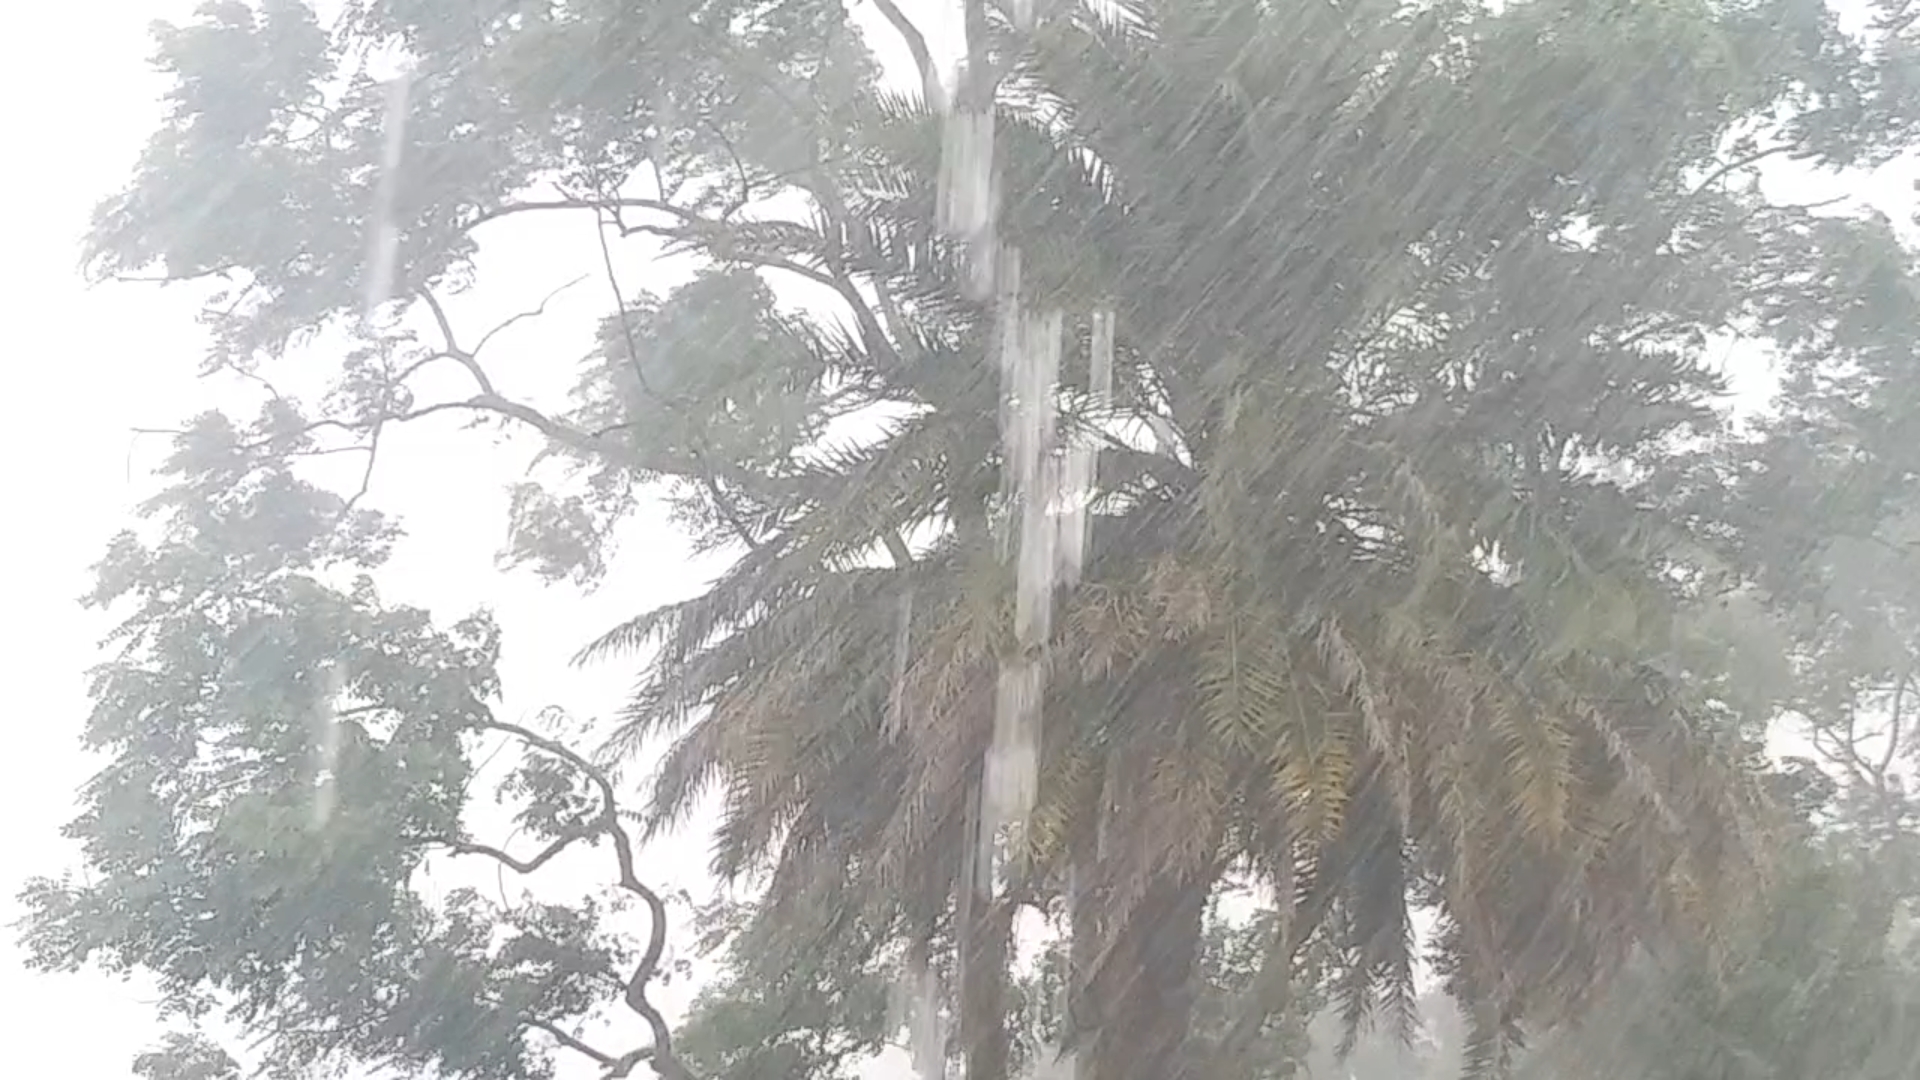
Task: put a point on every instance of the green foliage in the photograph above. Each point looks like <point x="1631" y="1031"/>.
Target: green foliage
<point x="807" y="994"/>
<point x="803" y="993"/>
<point x="186" y="1057"/>
<point x="1816" y="987"/>
<point x="285" y="751"/>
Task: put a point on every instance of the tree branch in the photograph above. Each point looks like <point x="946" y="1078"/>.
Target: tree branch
<point x="1896" y="719"/>
<point x="531" y="313"/>
<point x="573" y="1042"/>
<point x="916" y="42"/>
<point x="518" y="866"/>
<point x="887" y="339"/>
<point x="697" y="445"/>
<point x="489" y="399"/>
<point x="660" y="1054"/>
<point x="576" y="203"/>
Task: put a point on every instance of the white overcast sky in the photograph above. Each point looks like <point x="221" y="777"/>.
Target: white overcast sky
<point x="76" y="102"/>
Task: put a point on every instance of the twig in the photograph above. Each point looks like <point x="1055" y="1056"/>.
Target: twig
<point x="532" y="313"/>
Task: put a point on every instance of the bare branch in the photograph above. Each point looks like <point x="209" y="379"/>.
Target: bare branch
<point x="372" y="448"/>
<point x="533" y="313"/>
<point x="608" y="823"/>
<point x="1896" y="720"/>
<point x="453" y="351"/>
<point x="931" y="90"/>
<point x="526" y="414"/>
<point x="449" y="343"/>
<point x="522" y="866"/>
<point x="1839" y="752"/>
<point x="1736" y="165"/>
<point x="575" y="203"/>
<point x="572" y="1042"/>
<point x="612" y="1068"/>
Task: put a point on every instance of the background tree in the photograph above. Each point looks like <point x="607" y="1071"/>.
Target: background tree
<point x="286" y="751"/>
<point x="186" y="1057"/>
<point x="810" y="1000"/>
<point x="1821" y="982"/>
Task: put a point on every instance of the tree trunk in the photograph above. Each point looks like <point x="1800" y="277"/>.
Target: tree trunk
<point x="983" y="928"/>
<point x="1148" y="986"/>
<point x="1083" y="947"/>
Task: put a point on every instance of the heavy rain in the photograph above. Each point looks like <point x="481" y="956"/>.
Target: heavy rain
<point x="976" y="539"/>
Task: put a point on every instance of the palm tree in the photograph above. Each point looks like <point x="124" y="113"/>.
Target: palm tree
<point x="1359" y="617"/>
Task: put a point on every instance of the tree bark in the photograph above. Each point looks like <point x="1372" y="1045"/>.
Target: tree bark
<point x="1083" y="947"/>
<point x="983" y="927"/>
<point x="1149" y="986"/>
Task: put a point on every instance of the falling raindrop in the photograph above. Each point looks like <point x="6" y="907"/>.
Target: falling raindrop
<point x="326" y="747"/>
<point x="384" y="242"/>
<point x="1030" y="365"/>
<point x="926" y="1029"/>
<point x="1013" y="759"/>
<point x="1047" y="493"/>
<point x="967" y="186"/>
<point x="1035" y="371"/>
<point x="1030" y="345"/>
<point x="902" y="646"/>
<point x="1081" y="465"/>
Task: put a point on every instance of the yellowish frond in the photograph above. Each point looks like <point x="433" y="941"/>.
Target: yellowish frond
<point x="1387" y="737"/>
<point x="1314" y="762"/>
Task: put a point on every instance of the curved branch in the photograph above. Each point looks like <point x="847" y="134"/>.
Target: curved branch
<point x="519" y="866"/>
<point x="440" y="318"/>
<point x="575" y="203"/>
<point x="660" y="1054"/>
<point x="531" y="313"/>
<point x="499" y="406"/>
<point x="916" y="43"/>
